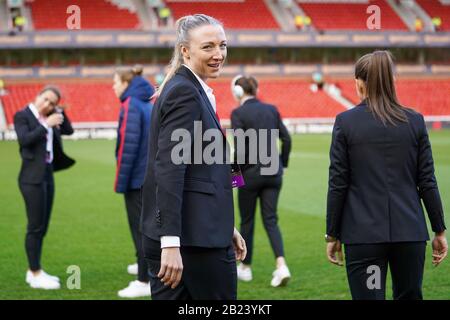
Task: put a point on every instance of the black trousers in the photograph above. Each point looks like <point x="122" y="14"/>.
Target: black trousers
<point x="38" y="203"/>
<point x="208" y="273"/>
<point x="133" y="204"/>
<point x="267" y="189"/>
<point x="367" y="266"/>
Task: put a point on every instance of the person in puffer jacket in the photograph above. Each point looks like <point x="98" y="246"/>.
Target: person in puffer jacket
<point x="134" y="93"/>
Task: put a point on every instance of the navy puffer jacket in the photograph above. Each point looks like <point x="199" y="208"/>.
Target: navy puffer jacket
<point x="132" y="135"/>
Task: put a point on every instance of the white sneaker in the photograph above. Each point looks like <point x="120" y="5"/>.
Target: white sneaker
<point x="42" y="281"/>
<point x="30" y="274"/>
<point x="281" y="277"/>
<point x="244" y="273"/>
<point x="133" y="269"/>
<point x="135" y="289"/>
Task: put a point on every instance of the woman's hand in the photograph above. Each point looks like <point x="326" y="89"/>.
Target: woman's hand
<point x="239" y="245"/>
<point x="171" y="267"/>
<point x="440" y="248"/>
<point x="333" y="248"/>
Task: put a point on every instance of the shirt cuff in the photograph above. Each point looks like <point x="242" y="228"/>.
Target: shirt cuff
<point x="170" y="242"/>
<point x="44" y="124"/>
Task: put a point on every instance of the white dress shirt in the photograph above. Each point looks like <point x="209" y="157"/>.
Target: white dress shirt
<point x="49" y="146"/>
<point x="206" y="88"/>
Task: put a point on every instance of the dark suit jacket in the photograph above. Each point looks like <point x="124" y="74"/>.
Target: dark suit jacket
<point x="191" y="201"/>
<point x="378" y="174"/>
<point x="253" y="114"/>
<point x="32" y="141"/>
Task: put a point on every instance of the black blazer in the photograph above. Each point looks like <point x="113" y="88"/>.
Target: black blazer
<point x="32" y="141"/>
<point x="191" y="201"/>
<point x="378" y="174"/>
<point x="253" y="114"/>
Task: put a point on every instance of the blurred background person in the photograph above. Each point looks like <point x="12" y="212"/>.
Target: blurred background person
<point x="3" y="90"/>
<point x="134" y="93"/>
<point x="437" y="23"/>
<point x="418" y="24"/>
<point x="20" y="22"/>
<point x="299" y="23"/>
<point x="253" y="114"/>
<point x="318" y="81"/>
<point x="39" y="127"/>
<point x="381" y="165"/>
<point x="164" y="15"/>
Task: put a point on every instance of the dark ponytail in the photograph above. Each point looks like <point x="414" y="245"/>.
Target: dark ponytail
<point x="376" y="71"/>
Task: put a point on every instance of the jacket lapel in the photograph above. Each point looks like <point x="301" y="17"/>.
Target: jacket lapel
<point x="210" y="108"/>
<point x="31" y="117"/>
<point x="187" y="73"/>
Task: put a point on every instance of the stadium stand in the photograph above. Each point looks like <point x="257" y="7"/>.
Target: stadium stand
<point x="435" y="8"/>
<point x="96" y="14"/>
<point x="94" y="101"/>
<point x="413" y="93"/>
<point x="248" y="14"/>
<point x="350" y="16"/>
<point x="285" y="94"/>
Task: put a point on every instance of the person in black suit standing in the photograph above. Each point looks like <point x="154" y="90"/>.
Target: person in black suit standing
<point x="39" y="127"/>
<point x="381" y="166"/>
<point x="190" y="242"/>
<point x="252" y="114"/>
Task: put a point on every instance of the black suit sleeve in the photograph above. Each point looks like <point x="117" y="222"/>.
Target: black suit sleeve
<point x="286" y="143"/>
<point x="25" y="136"/>
<point x="427" y="184"/>
<point x="66" y="127"/>
<point x="339" y="179"/>
<point x="179" y="110"/>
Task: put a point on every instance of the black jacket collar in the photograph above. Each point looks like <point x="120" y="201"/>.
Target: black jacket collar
<point x="251" y="100"/>
<point x="30" y="115"/>
<point x="185" y="72"/>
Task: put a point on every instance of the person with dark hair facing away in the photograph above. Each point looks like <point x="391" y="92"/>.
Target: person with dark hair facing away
<point x="134" y="93"/>
<point x="252" y="114"/>
<point x="39" y="127"/>
<point x="381" y="166"/>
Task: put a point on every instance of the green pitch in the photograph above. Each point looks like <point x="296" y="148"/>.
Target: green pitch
<point x="89" y="228"/>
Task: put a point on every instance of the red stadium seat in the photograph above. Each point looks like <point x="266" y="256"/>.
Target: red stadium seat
<point x="94" y="100"/>
<point x="350" y="16"/>
<point x="95" y="14"/>
<point x="293" y="98"/>
<point x="87" y="101"/>
<point x="246" y="14"/>
<point x="428" y="96"/>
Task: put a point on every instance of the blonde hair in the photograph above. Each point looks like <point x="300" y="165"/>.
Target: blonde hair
<point x="183" y="27"/>
<point x="126" y="74"/>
